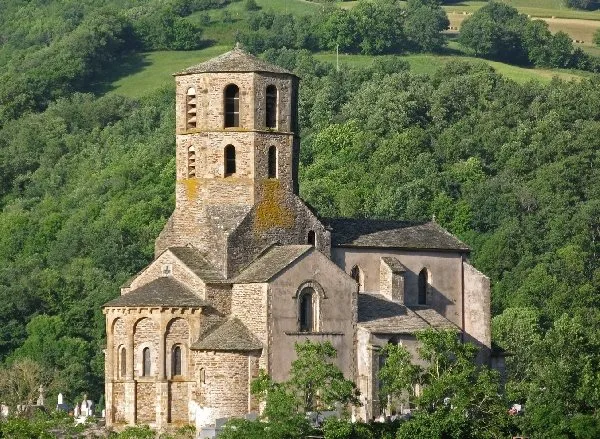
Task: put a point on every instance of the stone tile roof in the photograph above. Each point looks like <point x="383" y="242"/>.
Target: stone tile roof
<point x="270" y="263"/>
<point x="348" y="232"/>
<point x="377" y="314"/>
<point x="236" y="60"/>
<point x="194" y="260"/>
<point x="229" y="335"/>
<point x="394" y="264"/>
<point x="163" y="292"/>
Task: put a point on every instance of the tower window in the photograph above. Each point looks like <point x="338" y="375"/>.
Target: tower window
<point x="232" y="106"/>
<point x="271" y="107"/>
<point x="176" y="360"/>
<point x="191" y="162"/>
<point x="272" y="161"/>
<point x="307" y="323"/>
<point x="423" y="282"/>
<point x="229" y="160"/>
<point x="146" y="362"/>
<point x="311" y="239"/>
<point x="191" y="108"/>
<point x="358" y="275"/>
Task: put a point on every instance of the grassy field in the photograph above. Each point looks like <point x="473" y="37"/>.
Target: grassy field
<point x="147" y="72"/>
<point x="428" y="63"/>
<point x="535" y="8"/>
<point x="150" y="71"/>
<point x="578" y="29"/>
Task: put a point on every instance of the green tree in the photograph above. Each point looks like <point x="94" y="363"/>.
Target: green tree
<point x="316" y="382"/>
<point x="424" y="24"/>
<point x="459" y="399"/>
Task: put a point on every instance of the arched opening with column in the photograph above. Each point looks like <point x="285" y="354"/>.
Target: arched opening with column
<point x="309" y="298"/>
<point x="147" y="356"/>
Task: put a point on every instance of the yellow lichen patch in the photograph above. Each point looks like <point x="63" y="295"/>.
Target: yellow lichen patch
<point x="271" y="210"/>
<point x="191" y="187"/>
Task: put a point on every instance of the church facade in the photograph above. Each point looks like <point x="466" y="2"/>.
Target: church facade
<point x="244" y="269"/>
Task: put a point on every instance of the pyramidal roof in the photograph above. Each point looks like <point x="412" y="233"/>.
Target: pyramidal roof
<point x="236" y="60"/>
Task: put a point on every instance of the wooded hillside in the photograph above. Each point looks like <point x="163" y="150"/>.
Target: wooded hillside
<point x="87" y="182"/>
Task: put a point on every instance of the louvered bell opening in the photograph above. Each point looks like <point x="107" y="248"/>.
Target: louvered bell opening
<point x="192" y="101"/>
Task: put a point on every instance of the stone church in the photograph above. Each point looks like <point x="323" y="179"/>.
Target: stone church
<point x="244" y="269"/>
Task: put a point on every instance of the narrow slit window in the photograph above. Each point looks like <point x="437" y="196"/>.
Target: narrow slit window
<point x="423" y="282"/>
<point x="307" y="323"/>
<point x="191" y="162"/>
<point x="123" y="362"/>
<point x="191" y="109"/>
<point x="272" y="162"/>
<point x="176" y="361"/>
<point x="230" y="167"/>
<point x="271" y="107"/>
<point x="232" y="106"/>
<point x="146" y="363"/>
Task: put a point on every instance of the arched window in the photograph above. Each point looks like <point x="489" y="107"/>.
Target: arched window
<point x="229" y="160"/>
<point x="232" y="106"/>
<point x="122" y="362"/>
<point x="191" y="161"/>
<point x="176" y="361"/>
<point x="423" y="282"/>
<point x="357" y="274"/>
<point x="271" y="107"/>
<point x="191" y="108"/>
<point x="146" y="363"/>
<point x="272" y="161"/>
<point x="311" y="238"/>
<point x="307" y="315"/>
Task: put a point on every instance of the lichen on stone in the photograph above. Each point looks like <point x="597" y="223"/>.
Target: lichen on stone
<point x="271" y="210"/>
<point x="191" y="187"/>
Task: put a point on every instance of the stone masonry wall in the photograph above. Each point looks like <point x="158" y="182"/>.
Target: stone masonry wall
<point x="145" y="403"/>
<point x="178" y="402"/>
<point x="118" y="403"/>
<point x="477" y="309"/>
<point x="225" y="388"/>
<point x="249" y="304"/>
<point x="391" y="284"/>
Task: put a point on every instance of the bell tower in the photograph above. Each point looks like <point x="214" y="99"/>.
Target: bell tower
<point x="237" y="163"/>
<point x="236" y="131"/>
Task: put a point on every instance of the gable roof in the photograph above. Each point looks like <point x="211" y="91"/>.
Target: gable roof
<point x="161" y="292"/>
<point x="230" y="335"/>
<point x="348" y="232"/>
<point x="236" y="60"/>
<point x="378" y="314"/>
<point x="193" y="259"/>
<point x="265" y="267"/>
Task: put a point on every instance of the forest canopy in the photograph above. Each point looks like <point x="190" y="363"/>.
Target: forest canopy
<point x="87" y="180"/>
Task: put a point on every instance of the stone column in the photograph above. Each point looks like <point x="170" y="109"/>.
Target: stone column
<point x="129" y="385"/>
<point x="109" y="370"/>
<point x="162" y="385"/>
